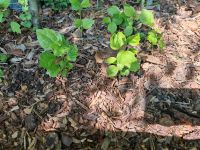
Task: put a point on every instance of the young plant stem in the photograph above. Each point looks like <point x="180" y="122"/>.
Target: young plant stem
<point x="80" y="17"/>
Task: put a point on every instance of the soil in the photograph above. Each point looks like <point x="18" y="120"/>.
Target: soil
<point x="157" y="108"/>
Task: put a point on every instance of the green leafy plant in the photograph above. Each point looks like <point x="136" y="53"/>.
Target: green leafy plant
<point x="155" y="38"/>
<point x="56" y="5"/>
<point x="3" y="9"/>
<point x="129" y="28"/>
<point x="25" y="16"/>
<point x="58" y="55"/>
<point x="15" y="27"/>
<point x="126" y="60"/>
<point x="121" y="19"/>
<point x="79" y="5"/>
<point x="3" y="59"/>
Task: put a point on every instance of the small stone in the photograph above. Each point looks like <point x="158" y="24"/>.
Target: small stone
<point x="66" y="140"/>
<point x="166" y="121"/>
<point x="30" y="122"/>
<point x="52" y="140"/>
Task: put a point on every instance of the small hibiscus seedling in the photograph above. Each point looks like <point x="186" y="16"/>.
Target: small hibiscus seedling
<point x="126" y="60"/>
<point x="79" y="5"/>
<point x="58" y="55"/>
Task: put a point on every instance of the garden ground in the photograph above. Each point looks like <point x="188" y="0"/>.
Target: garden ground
<point x="158" y="108"/>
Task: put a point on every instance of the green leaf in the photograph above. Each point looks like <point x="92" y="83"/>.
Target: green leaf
<point x="128" y="30"/>
<point x="48" y="61"/>
<point x="129" y="11"/>
<point x="49" y="39"/>
<point x="124" y="72"/>
<point x="152" y="37"/>
<point x="25" y="16"/>
<point x="112" y="71"/>
<point x="117" y="40"/>
<point x="87" y="23"/>
<point x="135" y="66"/>
<point x="85" y="4"/>
<point x="1" y="73"/>
<point x="3" y="58"/>
<point x="134" y="40"/>
<point x="106" y="20"/>
<point x="113" y="10"/>
<point x="4" y="4"/>
<point x="15" y="27"/>
<point x="117" y="19"/>
<point x="78" y="23"/>
<point x="26" y="24"/>
<point x="111" y="60"/>
<point x="72" y="53"/>
<point x="126" y="58"/>
<point x="147" y="18"/>
<point x="112" y="27"/>
<point x="2" y="19"/>
<point x="120" y="66"/>
<point x="76" y="4"/>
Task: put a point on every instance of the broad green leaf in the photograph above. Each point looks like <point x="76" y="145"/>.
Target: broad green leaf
<point x="112" y="27"/>
<point x="126" y="58"/>
<point x="1" y="73"/>
<point x="152" y="37"/>
<point x="15" y="27"/>
<point x="128" y="30"/>
<point x="87" y="23"/>
<point x="76" y="4"/>
<point x="26" y="24"/>
<point x="134" y="40"/>
<point x="3" y="58"/>
<point x="48" y="61"/>
<point x="48" y="38"/>
<point x="4" y="4"/>
<point x="117" y="40"/>
<point x="23" y="2"/>
<point x="112" y="71"/>
<point x="124" y="72"/>
<point x="117" y="19"/>
<point x="54" y="70"/>
<point x="135" y="66"/>
<point x="120" y="66"/>
<point x="113" y="10"/>
<point x="106" y="20"/>
<point x="129" y="11"/>
<point x="111" y="60"/>
<point x="25" y="16"/>
<point x="72" y="53"/>
<point x="127" y="22"/>
<point x="147" y="18"/>
<point x="2" y="19"/>
<point x="78" y="23"/>
<point x="85" y="4"/>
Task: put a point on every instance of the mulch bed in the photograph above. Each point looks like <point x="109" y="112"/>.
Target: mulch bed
<point x="158" y="108"/>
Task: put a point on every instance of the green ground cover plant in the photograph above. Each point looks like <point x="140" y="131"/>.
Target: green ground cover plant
<point x="129" y="28"/>
<point x="58" y="55"/>
<point x="81" y="23"/>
